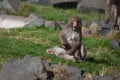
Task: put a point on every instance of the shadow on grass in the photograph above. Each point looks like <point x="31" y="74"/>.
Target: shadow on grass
<point x="93" y="60"/>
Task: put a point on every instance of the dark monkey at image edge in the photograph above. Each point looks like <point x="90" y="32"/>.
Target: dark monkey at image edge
<point x="112" y="8"/>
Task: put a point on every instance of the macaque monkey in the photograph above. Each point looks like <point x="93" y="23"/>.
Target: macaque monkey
<point x="61" y="52"/>
<point x="71" y="37"/>
<point x="113" y="9"/>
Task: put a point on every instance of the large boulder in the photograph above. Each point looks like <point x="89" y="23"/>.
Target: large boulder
<point x="11" y="71"/>
<point x="106" y="77"/>
<point x="60" y="3"/>
<point x="91" y="5"/>
<point x="34" y="19"/>
<point x="63" y="1"/>
<point x="12" y="5"/>
<point x="27" y="69"/>
<point x="115" y="44"/>
<point x="50" y="24"/>
<point x="35" y="68"/>
<point x="76" y="73"/>
<point x="54" y="24"/>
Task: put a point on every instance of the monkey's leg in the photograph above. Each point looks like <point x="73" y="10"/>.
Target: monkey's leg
<point x="108" y="8"/>
<point x="81" y="54"/>
<point x="67" y="57"/>
<point x="115" y="16"/>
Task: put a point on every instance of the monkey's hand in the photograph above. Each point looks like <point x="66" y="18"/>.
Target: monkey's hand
<point x="72" y="51"/>
<point x="66" y="47"/>
<point x="63" y="46"/>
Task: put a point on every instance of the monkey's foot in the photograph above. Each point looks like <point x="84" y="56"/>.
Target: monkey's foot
<point x="80" y="61"/>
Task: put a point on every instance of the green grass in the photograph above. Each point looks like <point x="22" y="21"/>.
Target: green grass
<point x="56" y="14"/>
<point x="32" y="41"/>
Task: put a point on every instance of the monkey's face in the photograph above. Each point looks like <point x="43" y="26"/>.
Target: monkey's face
<point x="76" y="23"/>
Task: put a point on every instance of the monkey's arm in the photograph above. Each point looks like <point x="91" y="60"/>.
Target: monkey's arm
<point x="74" y="47"/>
<point x="63" y="39"/>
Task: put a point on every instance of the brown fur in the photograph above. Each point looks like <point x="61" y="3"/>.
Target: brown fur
<point x="113" y="9"/>
<point x="71" y="37"/>
<point x="60" y="52"/>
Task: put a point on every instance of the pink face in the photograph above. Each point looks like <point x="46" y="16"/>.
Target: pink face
<point x="74" y="23"/>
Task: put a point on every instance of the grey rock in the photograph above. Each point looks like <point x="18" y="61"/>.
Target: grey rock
<point x="11" y="71"/>
<point x="34" y="68"/>
<point x="50" y="24"/>
<point x="115" y="44"/>
<point x="117" y="77"/>
<point x="106" y="26"/>
<point x="88" y="32"/>
<point x="29" y="68"/>
<point x="95" y="77"/>
<point x="55" y="2"/>
<point x="103" y="32"/>
<point x="105" y="77"/>
<point x="12" y="5"/>
<point x="75" y="73"/>
<point x="35" y="19"/>
<point x="64" y="3"/>
<point x="91" y="6"/>
<point x="31" y="64"/>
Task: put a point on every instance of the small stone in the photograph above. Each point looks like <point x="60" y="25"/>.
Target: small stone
<point x="115" y="44"/>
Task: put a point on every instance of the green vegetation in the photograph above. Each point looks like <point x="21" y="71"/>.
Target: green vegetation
<point x="50" y="13"/>
<point x="31" y="41"/>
